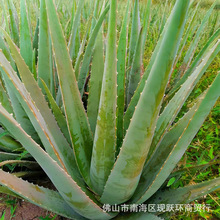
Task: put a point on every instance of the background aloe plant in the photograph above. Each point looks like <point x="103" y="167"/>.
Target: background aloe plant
<point x="108" y="134"/>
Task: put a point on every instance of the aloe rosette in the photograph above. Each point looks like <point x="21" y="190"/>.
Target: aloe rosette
<point x="120" y="144"/>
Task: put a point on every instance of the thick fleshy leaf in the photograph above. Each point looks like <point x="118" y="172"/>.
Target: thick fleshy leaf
<point x="103" y="155"/>
<point x="36" y="40"/>
<point x="5" y="190"/>
<point x="81" y="200"/>
<point x="19" y="112"/>
<point x="172" y="109"/>
<point x="155" y="173"/>
<point x="95" y="15"/>
<point x="185" y="194"/>
<point x="45" y="52"/>
<point x="190" y="52"/>
<point x="5" y="15"/>
<point x="187" y="33"/>
<point x="77" y="120"/>
<point x="40" y="114"/>
<point x="134" y="38"/>
<point x="135" y="73"/>
<point x="163" y="18"/>
<point x="121" y="69"/>
<point x="95" y="83"/>
<point x="126" y="172"/>
<point x="4" y="99"/>
<point x="7" y="143"/>
<point x="45" y="198"/>
<point x="80" y="55"/>
<point x="25" y="36"/>
<point x="13" y="21"/>
<point x="72" y="41"/>
<point x="195" y="63"/>
<point x="146" y="24"/>
<point x="133" y="103"/>
<point x="88" y="53"/>
<point x="164" y="150"/>
<point x="6" y="52"/>
<point x="60" y="118"/>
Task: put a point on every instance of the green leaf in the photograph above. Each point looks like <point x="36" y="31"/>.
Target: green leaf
<point x="5" y="16"/>
<point x="185" y="194"/>
<point x="134" y="38"/>
<point x="21" y="163"/>
<point x="10" y="156"/>
<point x="6" y="52"/>
<point x="133" y="103"/>
<point x="88" y="53"/>
<point x="190" y="52"/>
<point x="45" y="198"/>
<point x="135" y="73"/>
<point x="25" y="36"/>
<point x="80" y="199"/>
<point x="156" y="172"/>
<point x="18" y="110"/>
<point x="195" y="63"/>
<point x="60" y="118"/>
<point x="13" y="23"/>
<point x="34" y="70"/>
<point x="77" y="120"/>
<point x="171" y="181"/>
<point x="39" y="113"/>
<point x="95" y="15"/>
<point x="95" y="83"/>
<point x="45" y="51"/>
<point x="162" y="151"/>
<point x="72" y="41"/>
<point x="130" y="162"/>
<point x="4" y="99"/>
<point x="81" y="51"/>
<point x="7" y="143"/>
<point x="163" y="18"/>
<point x="103" y="155"/>
<point x="36" y="40"/>
<point x="146" y="24"/>
<point x="172" y="109"/>
<point x="187" y="33"/>
<point x="121" y="69"/>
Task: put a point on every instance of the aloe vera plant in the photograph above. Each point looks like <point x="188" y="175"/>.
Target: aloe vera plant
<point x="118" y="145"/>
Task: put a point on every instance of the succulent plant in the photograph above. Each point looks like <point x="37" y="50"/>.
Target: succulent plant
<point x="119" y="145"/>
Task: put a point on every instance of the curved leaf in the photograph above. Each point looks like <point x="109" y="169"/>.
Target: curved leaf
<point x="77" y="120"/>
<point x="45" y="198"/>
<point x="95" y="83"/>
<point x="81" y="200"/>
<point x="75" y="27"/>
<point x="185" y="194"/>
<point x="39" y="113"/>
<point x="172" y="109"/>
<point x="25" y="36"/>
<point x="168" y="162"/>
<point x="103" y="155"/>
<point x="45" y="51"/>
<point x="88" y="53"/>
<point x="121" y="69"/>
<point x="126" y="172"/>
